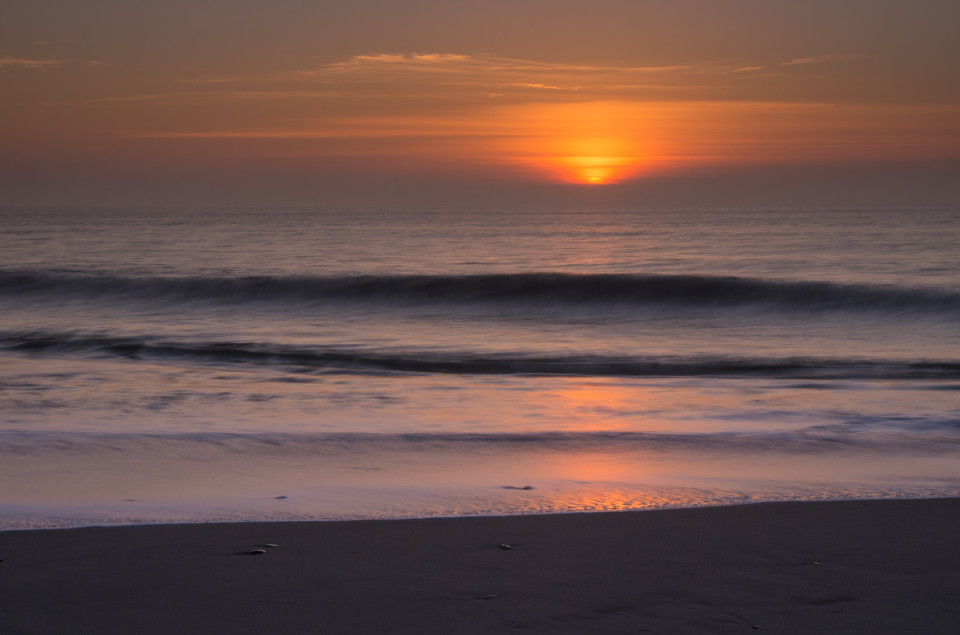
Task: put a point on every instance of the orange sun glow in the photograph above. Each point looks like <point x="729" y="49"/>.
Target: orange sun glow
<point x="593" y="143"/>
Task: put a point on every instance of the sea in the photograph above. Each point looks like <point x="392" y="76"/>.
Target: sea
<point x="215" y="365"/>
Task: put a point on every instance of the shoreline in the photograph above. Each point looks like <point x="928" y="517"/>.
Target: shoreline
<point x="562" y="513"/>
<point x="880" y="566"/>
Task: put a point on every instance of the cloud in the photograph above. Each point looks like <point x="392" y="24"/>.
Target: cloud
<point x="350" y="127"/>
<point x="541" y="86"/>
<point x="458" y="75"/>
<point x="461" y="63"/>
<point x="819" y="59"/>
<point x="460" y="79"/>
<point x="209" y="95"/>
<point x="38" y="65"/>
<point x="554" y="137"/>
<point x="412" y="82"/>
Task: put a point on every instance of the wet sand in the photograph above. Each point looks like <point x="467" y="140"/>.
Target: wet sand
<point x="837" y="567"/>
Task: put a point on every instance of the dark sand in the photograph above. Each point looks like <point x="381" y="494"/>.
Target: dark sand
<point x="845" y="567"/>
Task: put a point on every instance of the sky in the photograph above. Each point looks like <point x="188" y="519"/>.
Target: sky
<point x="526" y="103"/>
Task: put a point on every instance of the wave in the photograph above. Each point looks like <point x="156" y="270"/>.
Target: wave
<point x="525" y="289"/>
<point x="340" y="361"/>
<point x="931" y="439"/>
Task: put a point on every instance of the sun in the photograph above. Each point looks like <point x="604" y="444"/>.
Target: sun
<point x="595" y="169"/>
<point x="587" y="143"/>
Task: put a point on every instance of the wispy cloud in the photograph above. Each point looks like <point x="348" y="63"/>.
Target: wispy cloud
<point x="460" y="63"/>
<point x="210" y="95"/>
<point x="404" y="83"/>
<point x="541" y="86"/>
<point x="819" y="59"/>
<point x="663" y="133"/>
<point x="37" y="65"/>
<point x="458" y="75"/>
<point x="351" y="127"/>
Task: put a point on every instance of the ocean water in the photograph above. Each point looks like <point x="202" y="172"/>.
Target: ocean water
<point x="218" y="365"/>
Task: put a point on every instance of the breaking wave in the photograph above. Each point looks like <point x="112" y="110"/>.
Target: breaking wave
<point x="527" y="289"/>
<point x="328" y="360"/>
<point x="23" y="442"/>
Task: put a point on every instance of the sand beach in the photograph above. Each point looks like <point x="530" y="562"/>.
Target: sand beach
<point x="828" y="567"/>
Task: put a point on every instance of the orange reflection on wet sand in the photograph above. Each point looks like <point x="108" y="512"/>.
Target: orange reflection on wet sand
<point x="600" y="466"/>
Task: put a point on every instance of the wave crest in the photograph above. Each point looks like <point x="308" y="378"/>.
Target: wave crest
<point x="526" y="289"/>
<point x="327" y="360"/>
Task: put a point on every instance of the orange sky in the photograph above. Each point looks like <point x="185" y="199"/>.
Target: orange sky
<point x="291" y="102"/>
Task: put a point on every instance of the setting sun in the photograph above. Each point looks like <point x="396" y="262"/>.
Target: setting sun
<point x="595" y="170"/>
<point x="592" y="143"/>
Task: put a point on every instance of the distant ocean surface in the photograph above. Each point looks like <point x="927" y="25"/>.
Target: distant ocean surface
<point x="224" y="365"/>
